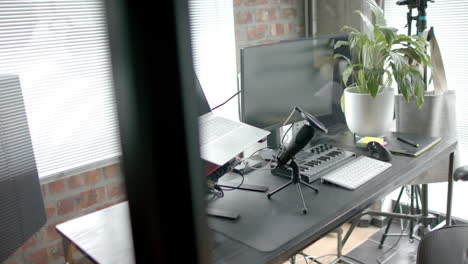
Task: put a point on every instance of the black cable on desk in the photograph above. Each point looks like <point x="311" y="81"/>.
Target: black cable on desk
<point x="229" y="188"/>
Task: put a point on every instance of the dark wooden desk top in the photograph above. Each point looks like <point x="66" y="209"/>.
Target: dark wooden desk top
<point x="335" y="205"/>
<point x="105" y="235"/>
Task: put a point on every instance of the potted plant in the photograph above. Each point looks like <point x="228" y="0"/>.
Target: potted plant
<point x="380" y="58"/>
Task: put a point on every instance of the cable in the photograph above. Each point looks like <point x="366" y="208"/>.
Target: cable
<point x="226" y="188"/>
<point x="226" y="101"/>
<point x="276" y="147"/>
<point x="286" y="133"/>
<point x="343" y="256"/>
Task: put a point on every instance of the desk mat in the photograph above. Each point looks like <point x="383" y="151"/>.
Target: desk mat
<point x="266" y="224"/>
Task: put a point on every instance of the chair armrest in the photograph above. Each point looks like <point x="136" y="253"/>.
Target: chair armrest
<point x="461" y="173"/>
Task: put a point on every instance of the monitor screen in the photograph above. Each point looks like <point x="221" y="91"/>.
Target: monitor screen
<point x="277" y="77"/>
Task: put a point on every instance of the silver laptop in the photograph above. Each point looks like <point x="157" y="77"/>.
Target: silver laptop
<point x="222" y="139"/>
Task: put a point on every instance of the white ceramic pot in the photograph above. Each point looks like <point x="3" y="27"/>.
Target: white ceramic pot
<point x="368" y="116"/>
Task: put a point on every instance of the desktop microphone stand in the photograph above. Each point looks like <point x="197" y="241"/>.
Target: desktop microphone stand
<point x="297" y="181"/>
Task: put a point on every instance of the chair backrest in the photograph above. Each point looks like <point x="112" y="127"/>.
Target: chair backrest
<point x="445" y="245"/>
<point x="21" y="206"/>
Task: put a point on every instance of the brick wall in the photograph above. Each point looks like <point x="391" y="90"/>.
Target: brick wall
<point x="267" y="21"/>
<point x="65" y="199"/>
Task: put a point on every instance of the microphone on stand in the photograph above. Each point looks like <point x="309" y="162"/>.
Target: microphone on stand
<point x="305" y="134"/>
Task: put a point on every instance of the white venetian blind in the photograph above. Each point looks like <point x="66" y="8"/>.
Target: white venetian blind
<point x="450" y="21"/>
<point x="59" y="50"/>
<point x="214" y="52"/>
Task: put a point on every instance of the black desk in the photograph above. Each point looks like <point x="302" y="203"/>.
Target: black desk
<point x="328" y="209"/>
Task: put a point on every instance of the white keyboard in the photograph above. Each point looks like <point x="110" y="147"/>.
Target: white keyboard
<point x="357" y="172"/>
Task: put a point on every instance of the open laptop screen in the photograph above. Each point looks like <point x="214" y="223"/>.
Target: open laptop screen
<point x="203" y="106"/>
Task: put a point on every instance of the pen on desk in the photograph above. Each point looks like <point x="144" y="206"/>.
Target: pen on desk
<point x="407" y="141"/>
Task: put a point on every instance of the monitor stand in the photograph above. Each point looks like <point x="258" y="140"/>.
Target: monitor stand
<point x="274" y="139"/>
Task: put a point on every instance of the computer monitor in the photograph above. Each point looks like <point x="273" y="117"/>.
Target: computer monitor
<point x="277" y="77"/>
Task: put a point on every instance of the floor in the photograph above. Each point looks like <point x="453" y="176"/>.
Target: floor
<point x="363" y="247"/>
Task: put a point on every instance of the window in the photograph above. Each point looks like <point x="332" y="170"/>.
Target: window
<point x="449" y="19"/>
<point x="60" y="51"/>
<point x="214" y="52"/>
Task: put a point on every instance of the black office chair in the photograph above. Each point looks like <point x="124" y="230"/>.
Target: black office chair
<point x="448" y="244"/>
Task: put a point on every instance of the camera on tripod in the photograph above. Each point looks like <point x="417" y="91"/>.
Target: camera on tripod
<point x="414" y="3"/>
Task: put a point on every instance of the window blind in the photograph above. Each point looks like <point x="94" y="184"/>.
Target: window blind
<point x="450" y="21"/>
<point x="214" y="52"/>
<point x="59" y="50"/>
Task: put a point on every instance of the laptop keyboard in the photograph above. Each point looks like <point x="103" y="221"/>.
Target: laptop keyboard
<point x="215" y="127"/>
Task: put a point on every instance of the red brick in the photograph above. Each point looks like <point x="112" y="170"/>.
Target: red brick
<point x="288" y="13"/>
<point x="112" y="171"/>
<point x="57" y="186"/>
<point x="277" y="29"/>
<point x="66" y="205"/>
<point x="75" y="181"/>
<point x="115" y="189"/>
<point x="237" y="2"/>
<point x="92" y="177"/>
<point x="92" y="197"/>
<point x="243" y="17"/>
<point x="101" y="195"/>
<point x="50" y="210"/>
<point x="265" y="15"/>
<point x="38" y="257"/>
<point x="255" y="2"/>
<point x="257" y="32"/>
<point x="51" y="233"/>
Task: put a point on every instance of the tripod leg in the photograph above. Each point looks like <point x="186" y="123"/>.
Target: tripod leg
<point x="384" y="235"/>
<point x="310" y="186"/>
<point x="299" y="190"/>
<point x="279" y="189"/>
<point x="412" y="213"/>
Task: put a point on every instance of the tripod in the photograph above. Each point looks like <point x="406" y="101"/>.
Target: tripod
<point x="415" y="197"/>
<point x="297" y="181"/>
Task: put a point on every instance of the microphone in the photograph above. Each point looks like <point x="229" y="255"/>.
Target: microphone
<point x="305" y="134"/>
<point x="314" y="122"/>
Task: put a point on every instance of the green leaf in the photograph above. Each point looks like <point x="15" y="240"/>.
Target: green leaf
<point x="361" y="82"/>
<point x="378" y="13"/>
<point x="341" y="43"/>
<point x="389" y="33"/>
<point x="349" y="28"/>
<point x="389" y="81"/>
<point x="374" y="78"/>
<point x="336" y="56"/>
<point x="398" y="61"/>
<point x="419" y="86"/>
<point x="348" y="71"/>
<point x="366" y="20"/>
<point x="411" y="53"/>
<point x="403" y="82"/>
